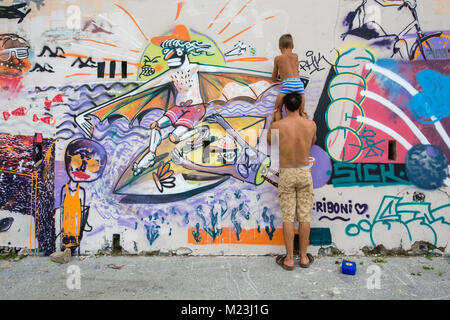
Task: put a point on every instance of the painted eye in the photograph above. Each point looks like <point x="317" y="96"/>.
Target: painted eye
<point x="179" y="52"/>
<point x="77" y="161"/>
<point x="93" y="165"/>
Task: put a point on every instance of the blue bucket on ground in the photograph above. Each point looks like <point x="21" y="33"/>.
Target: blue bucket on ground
<point x="348" y="267"/>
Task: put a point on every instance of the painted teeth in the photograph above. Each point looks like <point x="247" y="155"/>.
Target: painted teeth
<point x="146" y="71"/>
<point x="174" y="62"/>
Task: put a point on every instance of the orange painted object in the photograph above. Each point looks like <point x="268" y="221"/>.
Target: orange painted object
<point x="71" y="223"/>
<point x="228" y="236"/>
<point x="179" y="7"/>
<point x="179" y="32"/>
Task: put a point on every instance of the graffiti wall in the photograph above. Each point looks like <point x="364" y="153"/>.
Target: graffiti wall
<point x="149" y="120"/>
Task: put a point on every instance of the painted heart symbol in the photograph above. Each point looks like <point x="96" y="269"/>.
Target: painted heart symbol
<point x="48" y="103"/>
<point x="361" y="208"/>
<point x="6" y="115"/>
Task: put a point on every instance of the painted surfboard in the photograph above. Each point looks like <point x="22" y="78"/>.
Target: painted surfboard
<point x="166" y="181"/>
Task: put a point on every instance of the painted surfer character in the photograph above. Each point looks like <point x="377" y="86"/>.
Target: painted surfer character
<point x="185" y="90"/>
<point x="85" y="162"/>
<point x="189" y="106"/>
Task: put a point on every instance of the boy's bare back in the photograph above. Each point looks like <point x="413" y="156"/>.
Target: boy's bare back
<point x="286" y="65"/>
<point x="296" y="137"/>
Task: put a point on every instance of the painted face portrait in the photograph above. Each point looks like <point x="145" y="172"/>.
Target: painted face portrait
<point x="150" y="66"/>
<point x="14" y="55"/>
<point x="85" y="160"/>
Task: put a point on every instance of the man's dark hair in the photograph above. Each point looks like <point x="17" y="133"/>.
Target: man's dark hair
<point x="292" y="101"/>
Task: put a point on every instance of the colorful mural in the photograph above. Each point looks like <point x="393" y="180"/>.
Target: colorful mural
<point x="155" y="129"/>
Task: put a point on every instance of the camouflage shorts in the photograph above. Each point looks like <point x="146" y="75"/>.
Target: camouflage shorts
<point x="295" y="192"/>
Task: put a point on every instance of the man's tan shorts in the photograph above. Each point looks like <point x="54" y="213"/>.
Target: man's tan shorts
<point x="295" y="192"/>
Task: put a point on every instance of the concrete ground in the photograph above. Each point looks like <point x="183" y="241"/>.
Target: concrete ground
<point x="224" y="278"/>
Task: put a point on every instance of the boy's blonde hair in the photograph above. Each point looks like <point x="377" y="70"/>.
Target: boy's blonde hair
<point x="286" y="41"/>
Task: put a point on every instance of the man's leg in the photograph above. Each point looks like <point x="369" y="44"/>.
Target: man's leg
<point x="303" y="237"/>
<point x="305" y="200"/>
<point x="286" y="195"/>
<point x="288" y="232"/>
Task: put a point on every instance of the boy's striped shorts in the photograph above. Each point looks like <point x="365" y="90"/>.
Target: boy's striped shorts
<point x="292" y="85"/>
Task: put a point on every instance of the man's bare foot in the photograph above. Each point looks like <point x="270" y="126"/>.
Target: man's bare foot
<point x="306" y="260"/>
<point x="280" y="260"/>
<point x="289" y="262"/>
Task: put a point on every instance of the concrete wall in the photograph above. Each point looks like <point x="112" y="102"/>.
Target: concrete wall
<point x="97" y="76"/>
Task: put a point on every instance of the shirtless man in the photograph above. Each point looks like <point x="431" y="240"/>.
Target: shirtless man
<point x="286" y="66"/>
<point x="295" y="186"/>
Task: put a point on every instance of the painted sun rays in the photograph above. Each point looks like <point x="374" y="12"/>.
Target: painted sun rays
<point x="230" y="21"/>
<point x="180" y="4"/>
<point x="97" y="45"/>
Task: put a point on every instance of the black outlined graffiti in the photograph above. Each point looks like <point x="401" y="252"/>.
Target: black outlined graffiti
<point x="239" y="49"/>
<point x="147" y="69"/>
<point x="418" y="197"/>
<point x="47" y="52"/>
<point x="313" y="62"/>
<point x="360" y="23"/>
<point x="89" y="63"/>
<point x="46" y="68"/>
<point x="112" y="69"/>
<point x="38" y="3"/>
<point x="17" y="11"/>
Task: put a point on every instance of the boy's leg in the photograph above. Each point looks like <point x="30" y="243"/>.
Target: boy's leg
<point x="302" y="108"/>
<point x="278" y="106"/>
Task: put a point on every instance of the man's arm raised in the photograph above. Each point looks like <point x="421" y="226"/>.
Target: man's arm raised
<point x="315" y="136"/>
<point x="275" y="70"/>
<point x="273" y="126"/>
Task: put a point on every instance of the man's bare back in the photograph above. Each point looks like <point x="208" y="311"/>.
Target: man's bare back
<point x="296" y="136"/>
<point x="286" y="65"/>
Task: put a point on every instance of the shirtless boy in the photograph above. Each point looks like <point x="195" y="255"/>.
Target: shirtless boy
<point x="286" y="66"/>
<point x="295" y="186"/>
